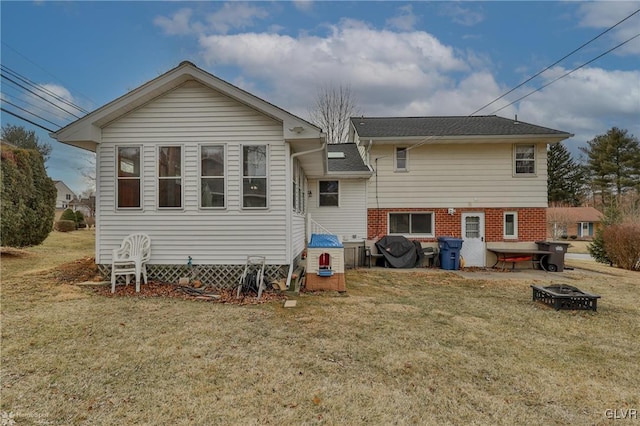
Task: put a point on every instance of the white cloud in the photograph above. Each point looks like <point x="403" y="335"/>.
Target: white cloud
<point x="606" y="14"/>
<point x="587" y="102"/>
<point x="406" y="20"/>
<point x="230" y="16"/>
<point x="235" y="16"/>
<point x="178" y="24"/>
<point x="462" y="15"/>
<point x="303" y="5"/>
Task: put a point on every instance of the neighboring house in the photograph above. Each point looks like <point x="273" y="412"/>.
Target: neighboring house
<point x="209" y="171"/>
<point x="482" y="179"/>
<point x="65" y="195"/>
<point x="580" y="222"/>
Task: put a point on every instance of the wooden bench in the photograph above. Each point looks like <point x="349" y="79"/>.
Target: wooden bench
<point x="514" y="255"/>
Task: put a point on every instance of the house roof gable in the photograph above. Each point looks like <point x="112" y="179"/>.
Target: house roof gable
<point x="85" y="132"/>
<point x="453" y="126"/>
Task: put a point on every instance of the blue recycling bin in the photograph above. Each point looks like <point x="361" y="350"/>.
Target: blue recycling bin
<point x="449" y="252"/>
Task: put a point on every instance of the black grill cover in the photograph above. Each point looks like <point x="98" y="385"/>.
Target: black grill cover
<point x="400" y="252"/>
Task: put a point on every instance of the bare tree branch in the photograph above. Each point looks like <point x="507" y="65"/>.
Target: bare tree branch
<point x="333" y="107"/>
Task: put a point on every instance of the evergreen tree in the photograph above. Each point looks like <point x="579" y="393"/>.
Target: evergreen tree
<point x="28" y="198"/>
<point x="565" y="177"/>
<point x="613" y="162"/>
<point x="596" y="248"/>
<point x="20" y="137"/>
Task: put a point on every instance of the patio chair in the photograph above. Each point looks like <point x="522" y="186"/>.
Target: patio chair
<point x="130" y="260"/>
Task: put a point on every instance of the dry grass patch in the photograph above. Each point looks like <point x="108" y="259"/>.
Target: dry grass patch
<point x="397" y="348"/>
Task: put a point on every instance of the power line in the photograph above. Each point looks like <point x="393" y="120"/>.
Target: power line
<point x="555" y="63"/>
<point x="26" y="119"/>
<point x="566" y="74"/>
<point x="43" y="89"/>
<point x="57" y="114"/>
<point x="39" y="96"/>
<point x="46" y="71"/>
<point x="29" y="112"/>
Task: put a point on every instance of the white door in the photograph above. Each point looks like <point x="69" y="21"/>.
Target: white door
<point x="473" y="246"/>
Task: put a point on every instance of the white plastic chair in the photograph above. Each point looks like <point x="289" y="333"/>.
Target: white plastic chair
<point x="130" y="259"/>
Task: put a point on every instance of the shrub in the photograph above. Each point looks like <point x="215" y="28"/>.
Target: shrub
<point x="69" y="214"/>
<point x="622" y="245"/>
<point x="564" y="236"/>
<point x="573" y="237"/>
<point x="80" y="220"/>
<point x="65" y="225"/>
<point x="28" y="198"/>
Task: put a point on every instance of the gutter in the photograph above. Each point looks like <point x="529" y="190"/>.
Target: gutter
<point x="294" y="156"/>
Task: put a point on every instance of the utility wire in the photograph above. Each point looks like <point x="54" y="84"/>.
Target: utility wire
<point x="29" y="112"/>
<point x="25" y="119"/>
<point x="554" y="64"/>
<point x="46" y="71"/>
<point x="39" y="96"/>
<point x="566" y="74"/>
<point x="43" y="89"/>
<point x="57" y="114"/>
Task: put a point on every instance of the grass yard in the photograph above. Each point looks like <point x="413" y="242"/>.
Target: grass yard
<point x="398" y="348"/>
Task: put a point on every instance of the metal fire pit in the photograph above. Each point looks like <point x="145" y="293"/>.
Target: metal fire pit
<point x="562" y="296"/>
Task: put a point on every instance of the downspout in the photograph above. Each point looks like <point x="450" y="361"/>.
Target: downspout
<point x="293" y="157"/>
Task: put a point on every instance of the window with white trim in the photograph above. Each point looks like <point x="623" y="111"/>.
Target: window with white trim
<point x="170" y="177"/>
<point x="401" y="162"/>
<point x="406" y="223"/>
<point x="524" y="158"/>
<point x="128" y="172"/>
<point x="329" y="193"/>
<point x="212" y="177"/>
<point x="510" y="225"/>
<point x="254" y="176"/>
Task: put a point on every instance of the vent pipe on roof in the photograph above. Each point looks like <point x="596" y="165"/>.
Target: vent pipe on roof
<point x="516" y="120"/>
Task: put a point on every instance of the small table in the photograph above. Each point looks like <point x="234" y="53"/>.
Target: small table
<point x="513" y="255"/>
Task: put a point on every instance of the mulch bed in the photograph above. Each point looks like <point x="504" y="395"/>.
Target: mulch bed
<point x="157" y="289"/>
<point x="85" y="269"/>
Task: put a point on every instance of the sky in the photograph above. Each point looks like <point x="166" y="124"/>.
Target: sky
<point x="398" y="58"/>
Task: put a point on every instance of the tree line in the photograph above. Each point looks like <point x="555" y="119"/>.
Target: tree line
<point x="607" y="176"/>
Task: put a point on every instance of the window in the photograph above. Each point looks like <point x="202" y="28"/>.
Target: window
<point x="128" y="167"/>
<point x="525" y="159"/>
<point x="254" y="176"/>
<point x="411" y="223"/>
<point x="212" y="176"/>
<point x="329" y="195"/>
<point x="401" y="160"/>
<point x="170" y="177"/>
<point x="510" y="225"/>
<point x="68" y="196"/>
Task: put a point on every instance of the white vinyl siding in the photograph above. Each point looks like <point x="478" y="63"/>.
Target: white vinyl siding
<point x="192" y="115"/>
<point x="350" y="218"/>
<point x="457" y="176"/>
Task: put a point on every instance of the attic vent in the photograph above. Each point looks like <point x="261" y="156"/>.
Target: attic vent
<point x="336" y="154"/>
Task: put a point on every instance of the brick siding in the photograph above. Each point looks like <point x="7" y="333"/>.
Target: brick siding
<point x="532" y="223"/>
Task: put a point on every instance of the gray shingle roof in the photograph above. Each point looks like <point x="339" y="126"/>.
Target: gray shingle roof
<point x="488" y="125"/>
<point x="352" y="161"/>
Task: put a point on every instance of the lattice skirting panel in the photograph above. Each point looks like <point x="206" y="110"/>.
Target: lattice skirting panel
<point x="218" y="276"/>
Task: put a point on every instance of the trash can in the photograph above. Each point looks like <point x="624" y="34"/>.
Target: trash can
<point x="449" y="252"/>
<point x="553" y="262"/>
